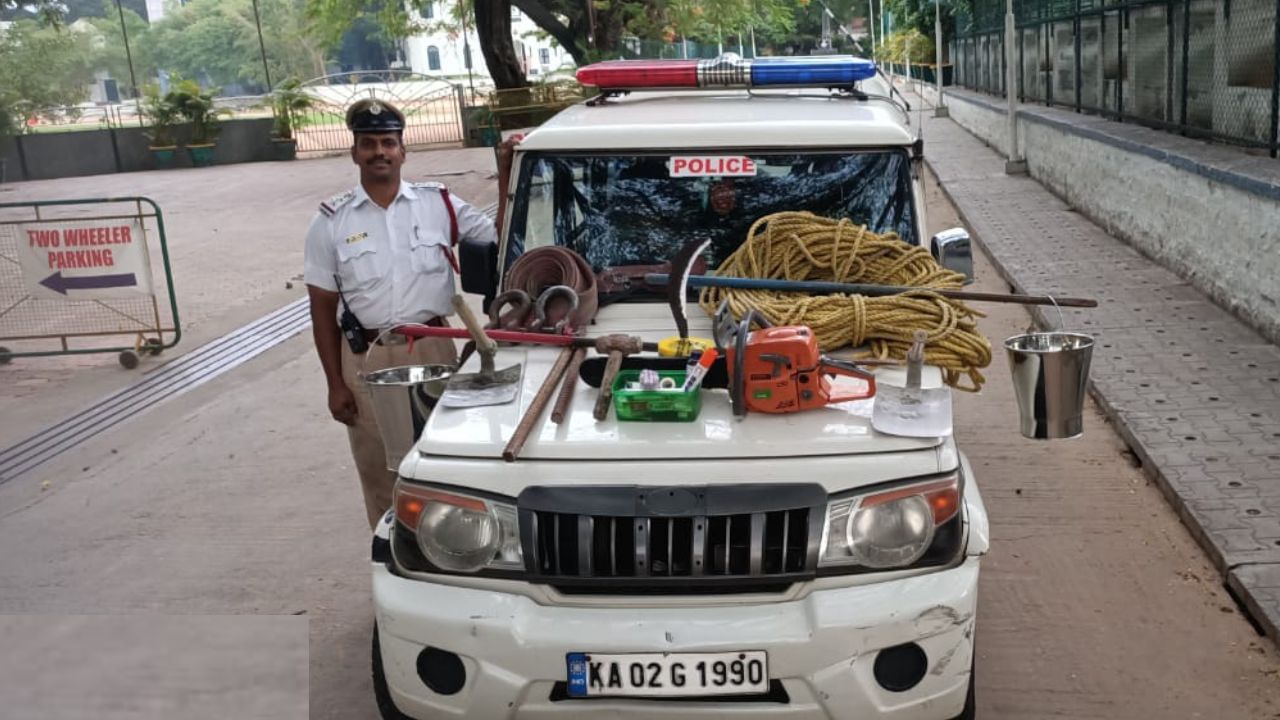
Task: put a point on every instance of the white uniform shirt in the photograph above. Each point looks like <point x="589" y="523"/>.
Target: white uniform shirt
<point x="393" y="263"/>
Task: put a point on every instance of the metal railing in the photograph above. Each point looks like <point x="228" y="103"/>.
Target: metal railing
<point x="1203" y="68"/>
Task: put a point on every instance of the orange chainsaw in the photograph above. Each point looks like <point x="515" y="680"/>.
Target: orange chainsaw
<point x="780" y="369"/>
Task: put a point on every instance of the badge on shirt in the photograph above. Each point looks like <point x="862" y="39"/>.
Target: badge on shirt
<point x="356" y="238"/>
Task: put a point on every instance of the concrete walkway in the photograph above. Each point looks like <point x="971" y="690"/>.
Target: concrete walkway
<point x="1194" y="392"/>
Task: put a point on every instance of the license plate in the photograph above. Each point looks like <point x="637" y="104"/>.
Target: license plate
<point x="668" y="674"/>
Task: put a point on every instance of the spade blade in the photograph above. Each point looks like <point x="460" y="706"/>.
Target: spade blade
<point x="477" y="389"/>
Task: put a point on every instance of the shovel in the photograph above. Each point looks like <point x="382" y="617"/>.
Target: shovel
<point x="486" y="387"/>
<point x="912" y="411"/>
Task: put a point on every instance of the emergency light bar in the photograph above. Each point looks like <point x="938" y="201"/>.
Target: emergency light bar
<point x="727" y="71"/>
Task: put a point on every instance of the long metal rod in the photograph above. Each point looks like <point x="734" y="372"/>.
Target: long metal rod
<point x="1186" y="58"/>
<point x="1077" y="41"/>
<point x="1122" y="24"/>
<point x="810" y="286"/>
<point x="128" y="54"/>
<point x="937" y="32"/>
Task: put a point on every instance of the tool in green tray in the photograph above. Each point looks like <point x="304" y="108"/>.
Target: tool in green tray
<point x="655" y="405"/>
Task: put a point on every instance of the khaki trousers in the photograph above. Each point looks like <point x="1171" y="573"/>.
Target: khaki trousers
<point x="376" y="481"/>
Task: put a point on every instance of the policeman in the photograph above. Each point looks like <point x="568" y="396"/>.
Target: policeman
<point x="385" y="250"/>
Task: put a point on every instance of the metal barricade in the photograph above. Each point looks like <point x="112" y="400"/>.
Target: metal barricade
<point x="75" y="270"/>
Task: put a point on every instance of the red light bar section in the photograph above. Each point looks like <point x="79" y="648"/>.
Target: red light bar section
<point x="640" y="74"/>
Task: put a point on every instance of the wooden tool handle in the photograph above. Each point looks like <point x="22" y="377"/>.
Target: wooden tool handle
<point x="534" y="412"/>
<point x="606" y="386"/>
<point x="566" y="389"/>
<point x="484" y="344"/>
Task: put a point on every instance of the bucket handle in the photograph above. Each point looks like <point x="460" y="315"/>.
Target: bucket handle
<point x="1062" y="323"/>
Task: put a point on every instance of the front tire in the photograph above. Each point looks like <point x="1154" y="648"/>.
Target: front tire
<point x="386" y="707"/>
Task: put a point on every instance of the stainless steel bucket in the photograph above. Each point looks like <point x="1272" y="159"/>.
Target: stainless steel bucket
<point x="1050" y="372"/>
<point x="403" y="398"/>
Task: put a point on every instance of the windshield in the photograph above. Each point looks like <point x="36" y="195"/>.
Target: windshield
<point x="640" y="209"/>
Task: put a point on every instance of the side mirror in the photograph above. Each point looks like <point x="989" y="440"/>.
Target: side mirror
<point x="479" y="261"/>
<point x="952" y="250"/>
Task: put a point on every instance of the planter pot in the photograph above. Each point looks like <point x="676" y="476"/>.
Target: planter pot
<point x="164" y="156"/>
<point x="285" y="149"/>
<point x="201" y="155"/>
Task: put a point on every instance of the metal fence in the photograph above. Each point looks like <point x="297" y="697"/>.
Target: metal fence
<point x="1204" y="68"/>
<point x="432" y="108"/>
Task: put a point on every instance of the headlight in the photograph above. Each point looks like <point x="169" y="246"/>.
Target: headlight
<point x="888" y="529"/>
<point x="460" y="533"/>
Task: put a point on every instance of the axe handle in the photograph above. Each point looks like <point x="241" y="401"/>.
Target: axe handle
<point x="606" y="385"/>
<point x="534" y="412"/>
<point x="566" y="389"/>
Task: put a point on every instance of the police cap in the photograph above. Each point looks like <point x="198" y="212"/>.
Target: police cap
<point x="374" y="116"/>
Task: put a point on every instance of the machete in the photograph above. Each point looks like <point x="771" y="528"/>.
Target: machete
<point x="678" y="283"/>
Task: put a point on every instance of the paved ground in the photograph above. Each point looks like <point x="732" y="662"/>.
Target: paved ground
<point x="241" y="500"/>
<point x="1194" y="392"/>
<point x="114" y="667"/>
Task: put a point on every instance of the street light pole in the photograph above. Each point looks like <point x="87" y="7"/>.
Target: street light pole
<point x="262" y="45"/>
<point x="1016" y="164"/>
<point x="466" y="52"/>
<point x="940" y="110"/>
<point x="871" y="24"/>
<point x="133" y="80"/>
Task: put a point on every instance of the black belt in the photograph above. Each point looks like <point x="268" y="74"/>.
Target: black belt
<point x="394" y="338"/>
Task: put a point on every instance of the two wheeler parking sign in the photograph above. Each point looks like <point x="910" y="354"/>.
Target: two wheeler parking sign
<point x="85" y="260"/>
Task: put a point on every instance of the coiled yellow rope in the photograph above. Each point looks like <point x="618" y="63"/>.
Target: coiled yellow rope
<point x="803" y="246"/>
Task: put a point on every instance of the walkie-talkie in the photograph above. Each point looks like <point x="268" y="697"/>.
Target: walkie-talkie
<point x="352" y="330"/>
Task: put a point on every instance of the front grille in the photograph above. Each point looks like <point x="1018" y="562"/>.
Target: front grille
<point x="686" y="539"/>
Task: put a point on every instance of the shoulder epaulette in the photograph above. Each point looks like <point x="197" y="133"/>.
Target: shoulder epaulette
<point x="330" y="207"/>
<point x="428" y="185"/>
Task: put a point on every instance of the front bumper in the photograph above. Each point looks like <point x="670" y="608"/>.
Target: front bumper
<point x="821" y="648"/>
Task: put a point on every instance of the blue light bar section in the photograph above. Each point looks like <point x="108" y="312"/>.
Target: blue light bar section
<point x="826" y="71"/>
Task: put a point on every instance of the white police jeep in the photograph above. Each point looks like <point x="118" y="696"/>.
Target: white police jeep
<point x="793" y="566"/>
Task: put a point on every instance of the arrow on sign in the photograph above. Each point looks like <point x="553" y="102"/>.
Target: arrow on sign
<point x="57" y="283"/>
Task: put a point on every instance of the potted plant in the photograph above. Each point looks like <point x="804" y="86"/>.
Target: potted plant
<point x="161" y="115"/>
<point x="196" y="106"/>
<point x="288" y="102"/>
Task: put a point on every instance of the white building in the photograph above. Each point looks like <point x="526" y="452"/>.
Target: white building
<point x="440" y="49"/>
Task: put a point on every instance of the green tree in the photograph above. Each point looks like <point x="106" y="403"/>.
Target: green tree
<point x="918" y="15"/>
<point x="42" y="66"/>
<point x="808" y="31"/>
<point x="908" y="45"/>
<point x="217" y="40"/>
<point x="58" y="11"/>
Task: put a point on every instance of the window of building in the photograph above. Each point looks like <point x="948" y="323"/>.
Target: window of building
<point x="428" y="11"/>
<point x="544" y="56"/>
<point x="433" y="57"/>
